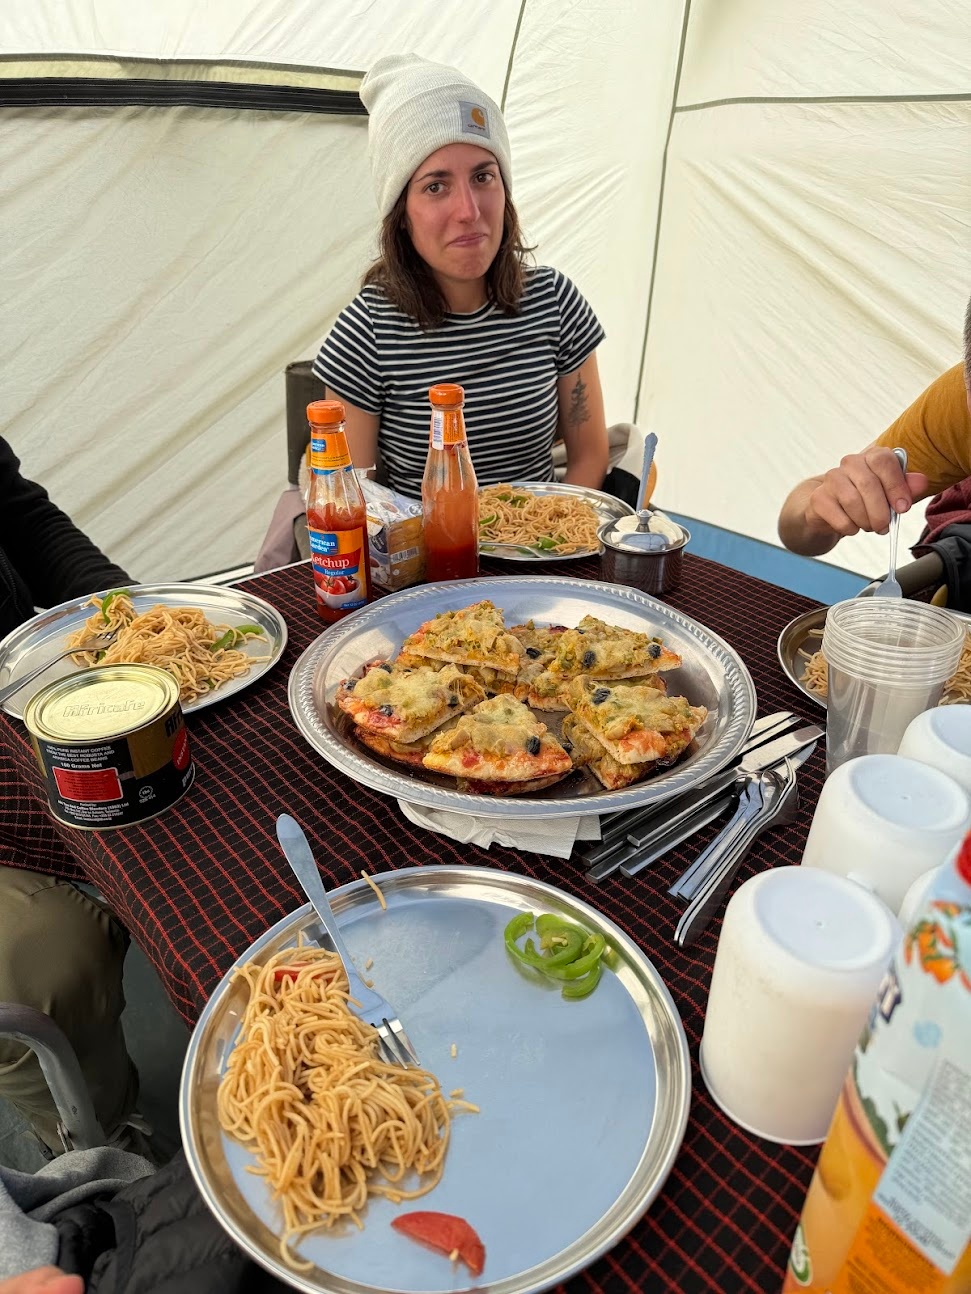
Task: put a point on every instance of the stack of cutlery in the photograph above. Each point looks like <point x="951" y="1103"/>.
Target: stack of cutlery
<point x="761" y="785"/>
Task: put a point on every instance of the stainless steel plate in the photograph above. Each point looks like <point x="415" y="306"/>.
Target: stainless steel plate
<point x="798" y="637"/>
<point x="583" y="1104"/>
<point x="606" y="507"/>
<point x="43" y="637"/>
<point x="712" y="674"/>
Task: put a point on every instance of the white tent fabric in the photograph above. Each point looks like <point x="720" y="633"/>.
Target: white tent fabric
<point x="778" y="277"/>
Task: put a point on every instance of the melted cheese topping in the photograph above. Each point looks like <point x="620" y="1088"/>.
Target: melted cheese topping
<point x="497" y="727"/>
<point x="477" y="631"/>
<point x="416" y="694"/>
<point x="629" y="709"/>
<point x="598" y="648"/>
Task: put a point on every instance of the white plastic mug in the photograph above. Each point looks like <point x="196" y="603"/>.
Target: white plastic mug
<point x="882" y="820"/>
<point x="800" y="957"/>
<point x="942" y="738"/>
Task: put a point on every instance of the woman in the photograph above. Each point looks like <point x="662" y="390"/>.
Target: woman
<point x="452" y="298"/>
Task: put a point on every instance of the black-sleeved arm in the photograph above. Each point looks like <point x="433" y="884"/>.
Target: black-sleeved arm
<point x="53" y="558"/>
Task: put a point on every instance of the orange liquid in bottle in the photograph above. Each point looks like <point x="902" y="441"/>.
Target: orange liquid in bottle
<point x="336" y="518"/>
<point x="449" y="492"/>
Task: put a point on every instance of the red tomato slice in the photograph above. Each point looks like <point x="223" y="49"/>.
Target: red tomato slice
<point x="445" y="1232"/>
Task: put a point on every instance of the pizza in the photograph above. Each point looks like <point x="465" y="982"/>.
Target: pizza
<point x="474" y="635"/>
<point x="635" y="723"/>
<point x="607" y="651"/>
<point x="588" y="752"/>
<point x="405" y="704"/>
<point x="548" y="691"/>
<point x="403" y="752"/>
<point x="500" y="741"/>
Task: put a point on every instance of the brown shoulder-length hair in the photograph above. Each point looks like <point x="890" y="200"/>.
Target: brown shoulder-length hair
<point x="410" y="285"/>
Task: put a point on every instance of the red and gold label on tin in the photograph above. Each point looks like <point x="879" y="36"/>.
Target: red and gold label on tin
<point x="112" y="745"/>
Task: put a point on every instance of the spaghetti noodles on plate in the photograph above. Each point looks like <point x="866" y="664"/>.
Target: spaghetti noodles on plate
<point x="201" y="656"/>
<point x="957" y="689"/>
<point x="329" y="1122"/>
<point x="556" y="523"/>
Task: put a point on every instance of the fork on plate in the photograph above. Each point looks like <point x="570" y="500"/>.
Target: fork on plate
<point x="96" y="642"/>
<point x="367" y="1005"/>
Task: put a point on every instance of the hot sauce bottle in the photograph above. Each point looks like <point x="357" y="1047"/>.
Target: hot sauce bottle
<point x="336" y="517"/>
<point x="449" y="492"/>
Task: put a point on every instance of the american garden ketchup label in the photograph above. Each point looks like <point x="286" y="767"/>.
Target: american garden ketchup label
<point x="337" y="557"/>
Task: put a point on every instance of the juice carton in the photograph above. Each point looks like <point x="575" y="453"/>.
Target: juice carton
<point x="889" y="1207"/>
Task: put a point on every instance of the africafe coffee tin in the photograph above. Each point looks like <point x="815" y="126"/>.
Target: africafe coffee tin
<point x="112" y="745"/>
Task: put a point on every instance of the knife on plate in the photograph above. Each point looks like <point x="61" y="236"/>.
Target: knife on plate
<point x="671" y="816"/>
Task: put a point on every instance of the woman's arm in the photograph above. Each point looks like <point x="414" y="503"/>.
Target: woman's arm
<point x="582" y="426"/>
<point x="362" y="432"/>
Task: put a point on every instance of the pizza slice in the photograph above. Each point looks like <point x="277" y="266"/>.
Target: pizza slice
<point x="407" y="704"/>
<point x="402" y="752"/>
<point x="587" y="751"/>
<point x="499" y="742"/>
<point x="635" y="723"/>
<point x="548" y="691"/>
<point x="606" y="651"/>
<point x="474" y="635"/>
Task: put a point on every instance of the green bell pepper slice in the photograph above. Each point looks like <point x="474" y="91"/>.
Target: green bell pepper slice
<point x="579" y="988"/>
<point x="109" y="598"/>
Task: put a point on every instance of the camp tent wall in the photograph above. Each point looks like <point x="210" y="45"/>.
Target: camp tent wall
<point x="766" y="203"/>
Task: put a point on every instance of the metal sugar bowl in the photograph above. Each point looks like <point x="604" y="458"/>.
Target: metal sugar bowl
<point x="644" y="551"/>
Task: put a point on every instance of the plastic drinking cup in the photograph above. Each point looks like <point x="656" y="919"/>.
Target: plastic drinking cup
<point x="887" y="661"/>
<point x="800" y="957"/>
<point x="942" y="738"/>
<point x="882" y="820"/>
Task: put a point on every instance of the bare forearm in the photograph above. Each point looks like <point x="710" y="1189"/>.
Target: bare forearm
<point x="587" y="469"/>
<point x="800" y="529"/>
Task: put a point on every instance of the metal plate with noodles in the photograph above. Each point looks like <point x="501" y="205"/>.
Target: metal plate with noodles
<point x="47" y="634"/>
<point x="546" y="1172"/>
<point x="605" y="506"/>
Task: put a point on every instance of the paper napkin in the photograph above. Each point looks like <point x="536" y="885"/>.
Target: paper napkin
<point x="555" y="836"/>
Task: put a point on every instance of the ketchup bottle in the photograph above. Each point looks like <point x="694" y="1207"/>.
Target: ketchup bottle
<point x="336" y="517"/>
<point x="449" y="492"/>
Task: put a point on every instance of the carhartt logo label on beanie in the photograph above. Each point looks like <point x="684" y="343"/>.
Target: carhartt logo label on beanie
<point x="475" y="119"/>
<point x="416" y="107"/>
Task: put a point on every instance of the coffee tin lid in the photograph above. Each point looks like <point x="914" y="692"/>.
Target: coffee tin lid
<point x="103" y="701"/>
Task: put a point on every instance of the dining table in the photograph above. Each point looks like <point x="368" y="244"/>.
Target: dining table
<point x="197" y="884"/>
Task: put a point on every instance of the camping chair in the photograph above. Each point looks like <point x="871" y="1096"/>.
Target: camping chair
<point x="286" y="536"/>
<point x="78" y="1126"/>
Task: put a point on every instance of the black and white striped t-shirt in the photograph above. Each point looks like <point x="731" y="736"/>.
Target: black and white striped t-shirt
<point x="377" y="358"/>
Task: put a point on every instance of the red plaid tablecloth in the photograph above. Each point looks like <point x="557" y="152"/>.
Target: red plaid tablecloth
<point x="199" y="883"/>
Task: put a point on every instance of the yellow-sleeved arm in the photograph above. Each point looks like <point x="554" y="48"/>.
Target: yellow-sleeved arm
<point x="936" y="432"/>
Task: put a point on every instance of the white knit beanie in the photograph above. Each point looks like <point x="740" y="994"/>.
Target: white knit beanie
<point x="416" y="107"/>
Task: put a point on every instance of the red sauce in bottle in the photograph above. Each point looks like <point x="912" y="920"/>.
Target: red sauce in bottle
<point x="336" y="517"/>
<point x="449" y="492"/>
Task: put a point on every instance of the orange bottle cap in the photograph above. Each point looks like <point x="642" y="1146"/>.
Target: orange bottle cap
<point x="325" y="413"/>
<point x="446" y="395"/>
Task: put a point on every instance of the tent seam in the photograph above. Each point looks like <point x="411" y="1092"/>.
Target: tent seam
<point x="512" y="55"/>
<point x="812" y="98"/>
<point x="660" y="205"/>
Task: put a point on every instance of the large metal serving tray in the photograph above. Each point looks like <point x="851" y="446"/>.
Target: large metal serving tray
<point x="583" y="1105"/>
<point x="712" y="674"/>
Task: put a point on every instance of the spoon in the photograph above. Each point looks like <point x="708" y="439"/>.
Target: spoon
<point x="889" y="587"/>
